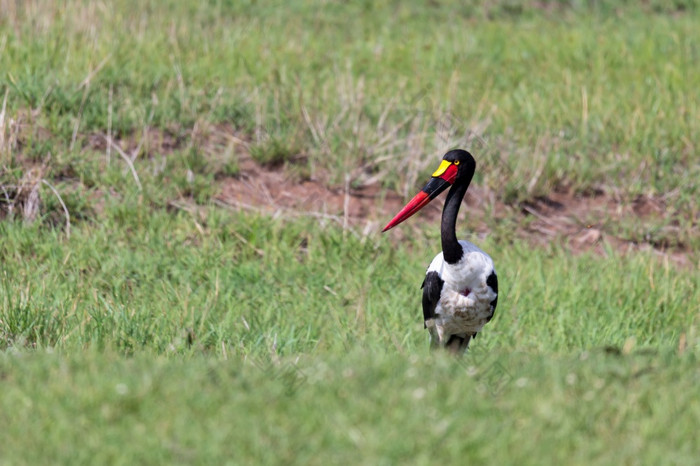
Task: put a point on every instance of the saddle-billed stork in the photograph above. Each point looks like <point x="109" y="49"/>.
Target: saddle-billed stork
<point x="460" y="290"/>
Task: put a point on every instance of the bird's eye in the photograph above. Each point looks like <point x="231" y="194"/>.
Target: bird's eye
<point x="456" y="162"/>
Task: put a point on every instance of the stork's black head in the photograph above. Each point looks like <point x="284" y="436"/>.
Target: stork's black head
<point x="466" y="165"/>
<point x="457" y="166"/>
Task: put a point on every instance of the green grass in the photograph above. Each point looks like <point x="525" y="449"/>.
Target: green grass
<point x="162" y="328"/>
<point x="252" y="339"/>
<point x="143" y="281"/>
<point x="568" y="96"/>
<point x="363" y="407"/>
<point x="255" y="340"/>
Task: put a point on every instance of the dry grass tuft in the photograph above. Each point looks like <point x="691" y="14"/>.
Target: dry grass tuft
<point x="23" y="198"/>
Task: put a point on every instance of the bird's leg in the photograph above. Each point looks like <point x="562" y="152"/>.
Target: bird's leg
<point x="434" y="337"/>
<point x="454" y="344"/>
<point x="458" y="344"/>
<point x="467" y="340"/>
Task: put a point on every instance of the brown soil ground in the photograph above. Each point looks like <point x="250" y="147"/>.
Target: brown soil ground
<point x="580" y="222"/>
<point x="560" y="217"/>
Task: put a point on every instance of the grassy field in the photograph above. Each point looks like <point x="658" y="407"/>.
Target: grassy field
<point x="142" y="322"/>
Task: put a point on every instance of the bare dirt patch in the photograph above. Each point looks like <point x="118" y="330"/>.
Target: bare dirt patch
<point x="580" y="222"/>
<point x="587" y="222"/>
<point x="269" y="190"/>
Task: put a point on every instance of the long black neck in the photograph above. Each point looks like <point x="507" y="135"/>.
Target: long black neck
<point x="451" y="249"/>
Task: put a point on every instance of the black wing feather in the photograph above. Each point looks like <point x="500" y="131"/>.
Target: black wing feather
<point x="492" y="282"/>
<point x="432" y="288"/>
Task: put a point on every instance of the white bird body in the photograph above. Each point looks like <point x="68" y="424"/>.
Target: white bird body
<point x="466" y="300"/>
